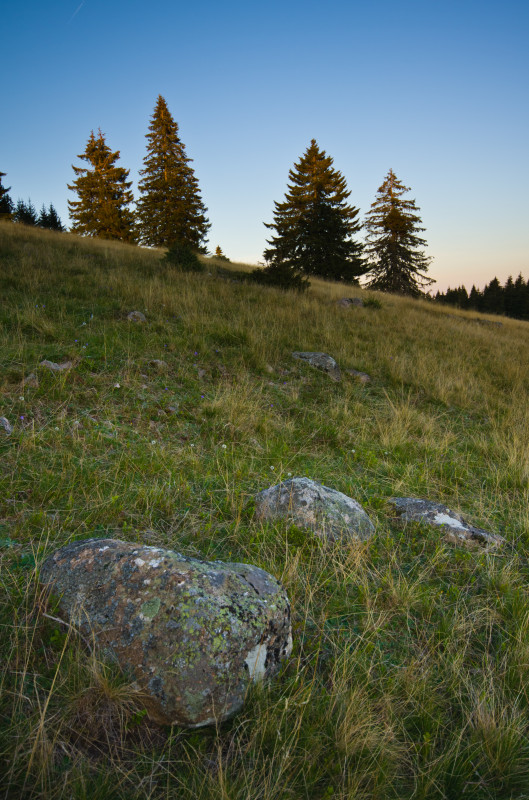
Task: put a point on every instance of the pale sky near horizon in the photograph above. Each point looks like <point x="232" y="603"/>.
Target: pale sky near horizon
<point x="436" y="91"/>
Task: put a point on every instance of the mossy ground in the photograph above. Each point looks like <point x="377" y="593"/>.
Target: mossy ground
<point x="411" y="657"/>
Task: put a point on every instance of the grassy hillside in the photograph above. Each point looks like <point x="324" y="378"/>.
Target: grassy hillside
<point x="411" y="657"/>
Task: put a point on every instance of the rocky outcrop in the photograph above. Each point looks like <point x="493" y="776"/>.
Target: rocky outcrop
<point x="194" y="634"/>
<point x="321" y="361"/>
<point x="451" y="524"/>
<point x="326" y="512"/>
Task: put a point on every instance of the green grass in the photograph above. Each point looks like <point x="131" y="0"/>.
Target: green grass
<point x="411" y="657"/>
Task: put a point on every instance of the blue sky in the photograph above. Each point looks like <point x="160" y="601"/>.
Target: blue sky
<point x="436" y="91"/>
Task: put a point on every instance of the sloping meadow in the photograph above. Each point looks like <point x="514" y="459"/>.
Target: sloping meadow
<point x="408" y="677"/>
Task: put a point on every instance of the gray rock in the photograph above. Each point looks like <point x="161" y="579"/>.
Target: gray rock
<point x="321" y="361"/>
<point x="6" y="425"/>
<point x="56" y="367"/>
<point x="346" y="302"/>
<point x="31" y="380"/>
<point x="452" y="524"/>
<point x="493" y="322"/>
<point x="136" y="316"/>
<point x="194" y="634"/>
<point x="330" y="514"/>
<point x="363" y="377"/>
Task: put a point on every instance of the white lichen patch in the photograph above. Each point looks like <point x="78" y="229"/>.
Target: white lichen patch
<point x="444" y="519"/>
<point x="255" y="661"/>
<point x="155" y="562"/>
<point x="102" y="549"/>
<point x="139" y="562"/>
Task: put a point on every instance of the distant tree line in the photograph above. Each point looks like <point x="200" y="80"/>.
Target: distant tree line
<point x="511" y="299"/>
<point x="26" y="213"/>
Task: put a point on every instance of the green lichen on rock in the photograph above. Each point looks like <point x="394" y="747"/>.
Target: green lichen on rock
<point x="193" y="633"/>
<point x="329" y="514"/>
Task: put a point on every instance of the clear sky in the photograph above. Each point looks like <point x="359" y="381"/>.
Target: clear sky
<point x="437" y="91"/>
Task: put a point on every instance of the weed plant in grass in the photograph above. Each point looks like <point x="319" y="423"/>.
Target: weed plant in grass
<point x="410" y="666"/>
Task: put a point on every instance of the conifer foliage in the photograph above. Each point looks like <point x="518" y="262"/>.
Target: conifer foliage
<point x="396" y="260"/>
<point x="170" y="208"/>
<point x="6" y="204"/>
<point x="26" y="213"/>
<point x="49" y="219"/>
<point x="314" y="225"/>
<point x="103" y="191"/>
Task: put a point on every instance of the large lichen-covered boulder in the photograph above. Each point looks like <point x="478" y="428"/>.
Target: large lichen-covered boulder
<point x="193" y="634"/>
<point x="320" y="361"/>
<point x="330" y="514"/>
<point x="450" y="523"/>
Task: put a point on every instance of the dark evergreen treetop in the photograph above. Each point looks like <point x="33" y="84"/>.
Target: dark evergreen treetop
<point x="314" y="225"/>
<point x="170" y="208"/>
<point x="50" y="219"/>
<point x="26" y="213"/>
<point x="6" y="204"/>
<point x="511" y="299"/>
<point x="103" y="193"/>
<point x="393" y="246"/>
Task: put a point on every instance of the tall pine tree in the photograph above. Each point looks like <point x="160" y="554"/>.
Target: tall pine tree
<point x="104" y="195"/>
<point x="314" y="225"/>
<point x="6" y="204"/>
<point x="396" y="260"/>
<point x="170" y="208"/>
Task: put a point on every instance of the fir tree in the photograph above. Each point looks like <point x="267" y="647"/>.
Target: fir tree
<point x="6" y="204"/>
<point x="170" y="208"/>
<point x="397" y="262"/>
<point x="25" y="213"/>
<point x="49" y="219"/>
<point x="475" y="299"/>
<point x="493" y="297"/>
<point x="219" y="255"/>
<point x="521" y="300"/>
<point x="314" y="225"/>
<point x="104" y="195"/>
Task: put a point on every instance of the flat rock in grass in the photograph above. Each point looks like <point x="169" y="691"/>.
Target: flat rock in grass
<point x="54" y="367"/>
<point x="450" y="523"/>
<point x="6" y="425"/>
<point x="330" y="514"/>
<point x="362" y="377"/>
<point x="346" y="302"/>
<point x="31" y="381"/>
<point x="136" y="316"/>
<point x="321" y="361"/>
<point x="193" y="634"/>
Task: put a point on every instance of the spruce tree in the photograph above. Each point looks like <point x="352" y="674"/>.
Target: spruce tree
<point x="314" y="225"/>
<point x="103" y="191"/>
<point x="396" y="260"/>
<point x="50" y="219"/>
<point x="6" y="204"/>
<point x="25" y="213"/>
<point x="170" y="208"/>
